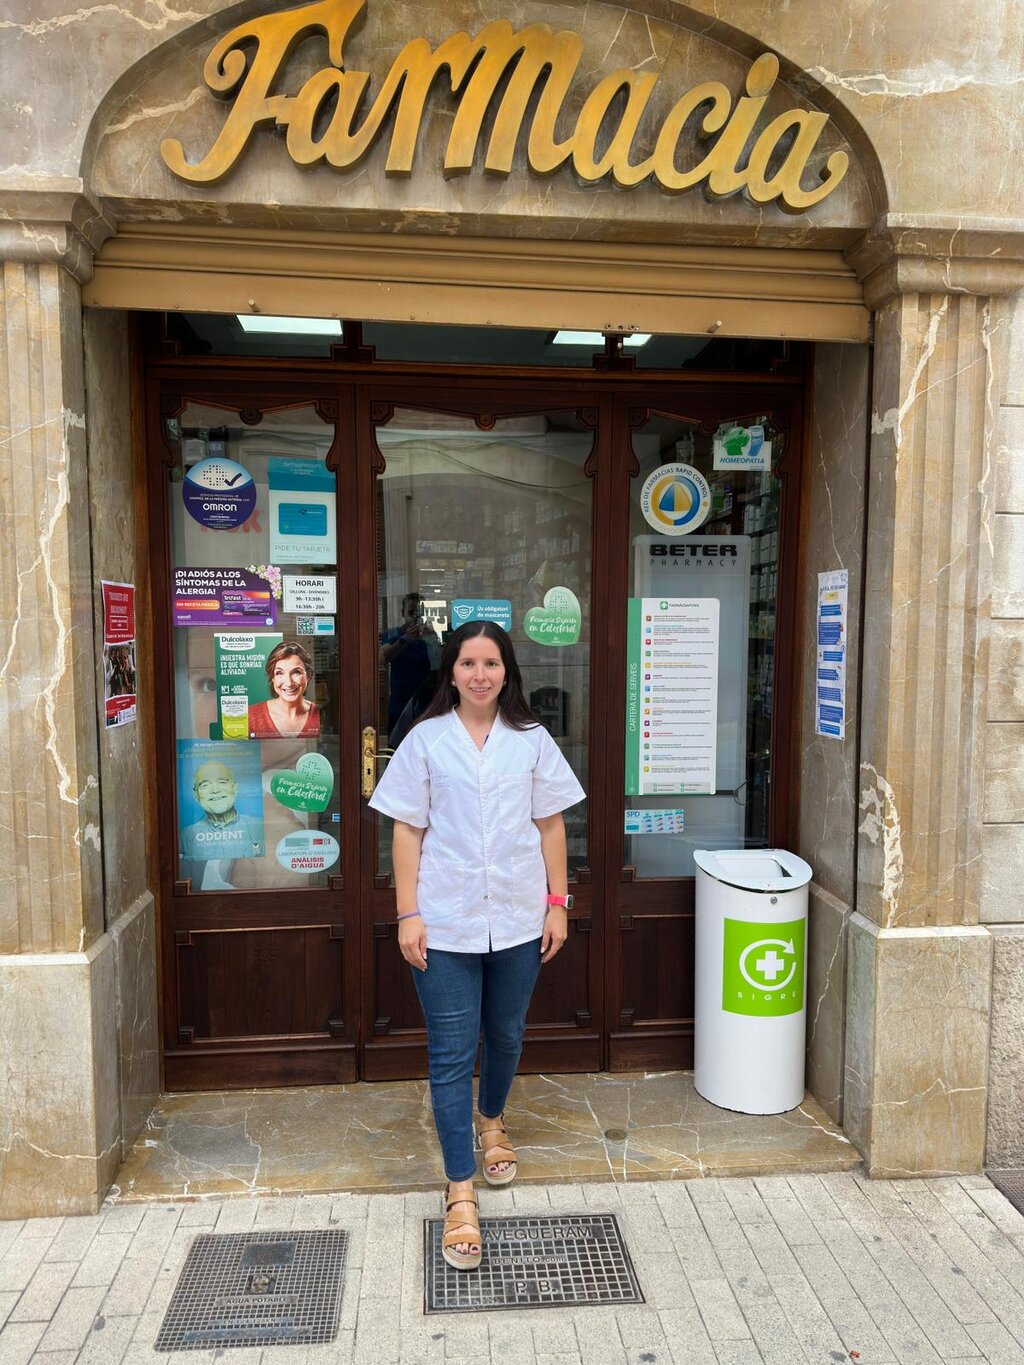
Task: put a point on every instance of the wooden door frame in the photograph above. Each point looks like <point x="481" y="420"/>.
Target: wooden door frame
<point x="348" y="387"/>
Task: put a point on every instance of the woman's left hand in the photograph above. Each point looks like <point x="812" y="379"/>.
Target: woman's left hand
<point x="556" y="931"/>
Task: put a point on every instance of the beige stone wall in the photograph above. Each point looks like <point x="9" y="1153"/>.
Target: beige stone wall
<point x="936" y="107"/>
<point x="1002" y="899"/>
<point x="832" y="538"/>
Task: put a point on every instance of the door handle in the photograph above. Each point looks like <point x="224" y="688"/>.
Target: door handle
<point x="371" y="757"/>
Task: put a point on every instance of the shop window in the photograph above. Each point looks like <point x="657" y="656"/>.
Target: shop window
<point x="256" y="640"/>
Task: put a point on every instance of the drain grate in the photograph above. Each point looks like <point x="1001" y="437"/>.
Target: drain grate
<point x="575" y="1258"/>
<point x="1010" y="1183"/>
<point x="257" y="1289"/>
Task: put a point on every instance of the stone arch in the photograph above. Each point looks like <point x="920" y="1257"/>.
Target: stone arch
<point x="163" y="95"/>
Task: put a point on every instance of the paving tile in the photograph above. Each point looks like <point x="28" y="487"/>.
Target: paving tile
<point x="995" y="1342"/>
<point x="7" y="1301"/>
<point x="995" y="1205"/>
<point x="687" y="1337"/>
<point x="101" y="1262"/>
<point x="18" y="1341"/>
<point x="10" y="1231"/>
<point x="738" y="1353"/>
<point x="811" y="1325"/>
<point x="465" y="1334"/>
<point x="787" y="1213"/>
<point x="42" y="1227"/>
<point x="21" y="1262"/>
<point x="378" y="1332"/>
<point x="556" y="1335"/>
<point x="276" y="1214"/>
<point x="74" y="1238"/>
<point x="600" y="1343"/>
<point x="718" y="1307"/>
<point x="199" y="1215"/>
<point x="237" y="1215"/>
<point x="73" y="1320"/>
<point x="131" y="1285"/>
<point x="746" y="1203"/>
<point x="108" y="1341"/>
<point x="122" y="1218"/>
<point x="511" y="1336"/>
<point x="44" y="1292"/>
<point x="815" y="1199"/>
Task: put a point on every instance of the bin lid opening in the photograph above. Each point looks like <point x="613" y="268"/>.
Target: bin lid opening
<point x="763" y="869"/>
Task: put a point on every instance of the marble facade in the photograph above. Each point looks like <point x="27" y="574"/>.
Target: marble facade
<point x="914" y="825"/>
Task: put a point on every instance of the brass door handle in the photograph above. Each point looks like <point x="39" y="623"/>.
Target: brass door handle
<point x="371" y="757"/>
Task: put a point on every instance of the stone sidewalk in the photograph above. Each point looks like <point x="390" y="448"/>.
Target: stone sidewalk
<point x="780" y="1270"/>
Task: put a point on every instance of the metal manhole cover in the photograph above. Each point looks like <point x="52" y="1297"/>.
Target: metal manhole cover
<point x="257" y="1289"/>
<point x="1010" y="1183"/>
<point x="577" y="1258"/>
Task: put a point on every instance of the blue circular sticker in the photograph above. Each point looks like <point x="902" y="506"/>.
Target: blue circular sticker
<point x="219" y="494"/>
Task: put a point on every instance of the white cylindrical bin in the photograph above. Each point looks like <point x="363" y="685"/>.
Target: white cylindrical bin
<point x="751" y="994"/>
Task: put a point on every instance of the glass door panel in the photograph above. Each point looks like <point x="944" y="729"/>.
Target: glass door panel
<point x="496" y="521"/>
<point x="255" y="650"/>
<point x="701" y="648"/>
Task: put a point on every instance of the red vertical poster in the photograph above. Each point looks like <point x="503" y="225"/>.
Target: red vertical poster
<point x="118" y="652"/>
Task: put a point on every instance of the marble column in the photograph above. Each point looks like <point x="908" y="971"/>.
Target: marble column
<point x="919" y="964"/>
<point x="59" y="1123"/>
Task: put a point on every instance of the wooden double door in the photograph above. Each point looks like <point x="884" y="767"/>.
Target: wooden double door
<point x="314" y="537"/>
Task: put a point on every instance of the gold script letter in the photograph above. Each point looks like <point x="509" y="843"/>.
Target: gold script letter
<point x="227" y="73"/>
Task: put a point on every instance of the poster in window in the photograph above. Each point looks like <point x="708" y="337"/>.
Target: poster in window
<point x="262" y="686"/>
<point x="220" y="800"/>
<point x="302" y="529"/>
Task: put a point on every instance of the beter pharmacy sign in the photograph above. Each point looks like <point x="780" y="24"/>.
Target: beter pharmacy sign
<point x="507" y="85"/>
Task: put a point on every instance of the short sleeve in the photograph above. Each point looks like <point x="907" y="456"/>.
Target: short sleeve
<point x="404" y="790"/>
<point x="555" y="787"/>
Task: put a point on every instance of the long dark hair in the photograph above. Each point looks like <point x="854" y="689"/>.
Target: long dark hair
<point x="512" y="707"/>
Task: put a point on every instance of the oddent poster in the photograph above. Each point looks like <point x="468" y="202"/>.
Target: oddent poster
<point x="302" y="529"/>
<point x="119" y="669"/>
<point x="220" y="800"/>
<point x="240" y="663"/>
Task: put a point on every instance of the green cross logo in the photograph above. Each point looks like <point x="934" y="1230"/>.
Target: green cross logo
<point x="763" y="967"/>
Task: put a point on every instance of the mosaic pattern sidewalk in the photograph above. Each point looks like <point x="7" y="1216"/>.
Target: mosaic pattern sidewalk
<point x="777" y="1270"/>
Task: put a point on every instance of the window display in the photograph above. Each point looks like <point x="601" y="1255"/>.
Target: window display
<point x="255" y="708"/>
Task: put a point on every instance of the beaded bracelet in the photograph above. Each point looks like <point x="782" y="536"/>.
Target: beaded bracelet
<point x="410" y="915"/>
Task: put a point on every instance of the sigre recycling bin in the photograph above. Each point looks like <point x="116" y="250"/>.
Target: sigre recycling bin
<point x="751" y="1002"/>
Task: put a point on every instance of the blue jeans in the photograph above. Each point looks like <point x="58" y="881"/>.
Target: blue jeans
<point x="462" y="995"/>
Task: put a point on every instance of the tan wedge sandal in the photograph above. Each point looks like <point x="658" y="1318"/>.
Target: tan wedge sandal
<point x="461" y="1230"/>
<point x="493" y="1131"/>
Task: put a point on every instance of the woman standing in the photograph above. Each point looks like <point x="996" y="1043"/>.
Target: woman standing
<point x="476" y="792"/>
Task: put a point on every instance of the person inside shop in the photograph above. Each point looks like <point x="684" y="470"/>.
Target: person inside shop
<point x="289" y="712"/>
<point x="476" y="791"/>
<point x="408" y="649"/>
<point x="223" y="832"/>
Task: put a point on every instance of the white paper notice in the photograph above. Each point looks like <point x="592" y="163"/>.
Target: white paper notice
<point x="672" y="695"/>
<point x="830" y="676"/>
<point x="311" y="594"/>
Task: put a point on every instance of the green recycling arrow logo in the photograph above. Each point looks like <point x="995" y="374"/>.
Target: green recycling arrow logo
<point x="763" y="967"/>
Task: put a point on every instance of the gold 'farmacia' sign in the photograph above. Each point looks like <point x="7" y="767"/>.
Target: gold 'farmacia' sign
<point x="326" y="121"/>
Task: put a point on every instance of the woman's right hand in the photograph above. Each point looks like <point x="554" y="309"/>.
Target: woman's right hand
<point x="412" y="939"/>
